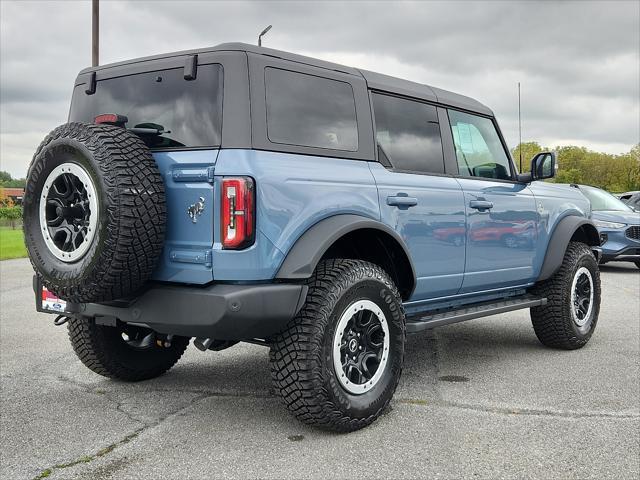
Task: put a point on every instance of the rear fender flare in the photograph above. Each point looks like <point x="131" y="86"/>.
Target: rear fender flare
<point x="305" y="254"/>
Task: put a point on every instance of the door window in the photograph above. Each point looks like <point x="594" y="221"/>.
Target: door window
<point x="479" y="151"/>
<point x="408" y="134"/>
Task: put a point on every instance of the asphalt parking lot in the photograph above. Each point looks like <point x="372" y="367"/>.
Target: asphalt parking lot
<point x="480" y="399"/>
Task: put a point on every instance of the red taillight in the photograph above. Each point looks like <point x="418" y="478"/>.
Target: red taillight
<point x="111" y="119"/>
<point x="238" y="212"/>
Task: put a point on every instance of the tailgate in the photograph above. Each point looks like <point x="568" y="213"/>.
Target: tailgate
<point x="189" y="191"/>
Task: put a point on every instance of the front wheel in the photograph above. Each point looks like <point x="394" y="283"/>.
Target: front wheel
<point x="337" y="364"/>
<point x="570" y="316"/>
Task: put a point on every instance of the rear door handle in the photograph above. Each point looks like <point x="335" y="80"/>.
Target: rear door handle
<point x="481" y="205"/>
<point x="402" y="201"/>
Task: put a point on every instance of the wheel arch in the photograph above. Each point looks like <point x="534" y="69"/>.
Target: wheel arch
<point x="571" y="228"/>
<point x="351" y="236"/>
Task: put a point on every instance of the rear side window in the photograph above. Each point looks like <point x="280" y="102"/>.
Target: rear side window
<point x="478" y="147"/>
<point x="310" y="111"/>
<point x="408" y="134"/>
<point x="188" y="113"/>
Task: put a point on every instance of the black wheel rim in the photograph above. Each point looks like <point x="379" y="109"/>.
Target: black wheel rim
<point x="68" y="212"/>
<point x="582" y="296"/>
<point x="361" y="346"/>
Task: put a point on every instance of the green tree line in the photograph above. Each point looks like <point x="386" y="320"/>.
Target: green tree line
<point x="614" y="173"/>
<point x="6" y="180"/>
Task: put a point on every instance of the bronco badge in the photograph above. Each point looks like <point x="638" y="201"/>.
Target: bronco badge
<point x="196" y="210"/>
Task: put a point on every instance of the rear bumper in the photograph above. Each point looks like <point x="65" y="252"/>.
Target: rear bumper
<point x="222" y="312"/>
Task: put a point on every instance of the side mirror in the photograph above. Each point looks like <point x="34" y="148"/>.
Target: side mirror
<point x="543" y="165"/>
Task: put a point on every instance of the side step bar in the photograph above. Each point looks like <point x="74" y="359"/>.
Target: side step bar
<point x="439" y="317"/>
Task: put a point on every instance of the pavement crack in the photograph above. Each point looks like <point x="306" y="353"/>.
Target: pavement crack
<point x="519" y="411"/>
<point x="123" y="441"/>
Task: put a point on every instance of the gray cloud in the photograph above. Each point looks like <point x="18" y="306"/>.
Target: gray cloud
<point x="579" y="62"/>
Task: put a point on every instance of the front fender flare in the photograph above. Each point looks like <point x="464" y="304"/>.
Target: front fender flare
<point x="560" y="238"/>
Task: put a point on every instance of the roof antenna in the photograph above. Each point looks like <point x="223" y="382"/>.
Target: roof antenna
<point x="263" y="32"/>
<point x="519" y="128"/>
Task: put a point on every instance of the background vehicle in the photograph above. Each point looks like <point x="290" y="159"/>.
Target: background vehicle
<point x="237" y="194"/>
<point x="632" y="199"/>
<point x="618" y="224"/>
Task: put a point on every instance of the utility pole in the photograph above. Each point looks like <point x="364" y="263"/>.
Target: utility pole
<point x="519" y="128"/>
<point x="95" y="32"/>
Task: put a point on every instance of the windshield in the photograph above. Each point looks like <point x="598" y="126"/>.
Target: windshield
<point x="601" y="200"/>
<point x="163" y="108"/>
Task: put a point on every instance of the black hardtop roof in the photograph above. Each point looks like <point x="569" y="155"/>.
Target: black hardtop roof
<point x="376" y="81"/>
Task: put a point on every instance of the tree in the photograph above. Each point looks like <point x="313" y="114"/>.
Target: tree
<point x="7" y="181"/>
<point x="5" y="200"/>
<point x="529" y="149"/>
<point x="13" y="214"/>
<point x="5" y="177"/>
<point x="615" y="173"/>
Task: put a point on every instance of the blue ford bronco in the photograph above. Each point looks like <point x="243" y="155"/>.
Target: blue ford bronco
<point x="240" y="193"/>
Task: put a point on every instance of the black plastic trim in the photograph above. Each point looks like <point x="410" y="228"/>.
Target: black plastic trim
<point x="627" y="254"/>
<point x="448" y="147"/>
<point x="191" y="67"/>
<point x="302" y="259"/>
<point x="559" y="241"/>
<point x="470" y="312"/>
<point x="223" y="312"/>
<point x="91" y="84"/>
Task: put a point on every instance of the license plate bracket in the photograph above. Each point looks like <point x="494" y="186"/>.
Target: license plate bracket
<point x="48" y="302"/>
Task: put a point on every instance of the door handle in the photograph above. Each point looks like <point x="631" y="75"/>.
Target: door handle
<point x="481" y="205"/>
<point x="402" y="201"/>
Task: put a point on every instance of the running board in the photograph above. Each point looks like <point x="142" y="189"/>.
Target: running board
<point x="438" y="318"/>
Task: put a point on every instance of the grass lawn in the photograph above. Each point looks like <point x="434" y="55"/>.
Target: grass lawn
<point x="11" y="244"/>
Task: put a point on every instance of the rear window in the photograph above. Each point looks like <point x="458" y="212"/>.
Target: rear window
<point x="310" y="111"/>
<point x="189" y="113"/>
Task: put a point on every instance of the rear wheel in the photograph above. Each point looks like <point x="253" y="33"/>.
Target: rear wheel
<point x="125" y="352"/>
<point x="338" y="363"/>
<point x="570" y="316"/>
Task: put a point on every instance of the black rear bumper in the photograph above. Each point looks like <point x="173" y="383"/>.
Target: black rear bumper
<point x="221" y="311"/>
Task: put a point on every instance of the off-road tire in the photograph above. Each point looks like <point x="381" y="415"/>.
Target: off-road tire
<point x="553" y="323"/>
<point x="102" y="349"/>
<point x="301" y="356"/>
<point x="131" y="215"/>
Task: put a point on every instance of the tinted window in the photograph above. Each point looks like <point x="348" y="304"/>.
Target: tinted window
<point x="310" y="111"/>
<point x="408" y="134"/>
<point x="189" y="112"/>
<point x="478" y="148"/>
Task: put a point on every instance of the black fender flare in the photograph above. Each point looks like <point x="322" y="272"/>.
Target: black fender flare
<point x="560" y="238"/>
<point x="302" y="258"/>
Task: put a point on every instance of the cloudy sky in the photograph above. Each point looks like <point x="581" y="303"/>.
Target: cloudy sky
<point x="579" y="62"/>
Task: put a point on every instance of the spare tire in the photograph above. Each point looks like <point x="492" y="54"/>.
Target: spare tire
<point x="94" y="212"/>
